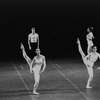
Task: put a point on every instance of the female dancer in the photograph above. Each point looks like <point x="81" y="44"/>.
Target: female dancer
<point x="35" y="66"/>
<point x="89" y="38"/>
<point x="89" y="61"/>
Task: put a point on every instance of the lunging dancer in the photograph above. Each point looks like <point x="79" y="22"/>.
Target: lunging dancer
<point x="89" y="61"/>
<point x="35" y="66"/>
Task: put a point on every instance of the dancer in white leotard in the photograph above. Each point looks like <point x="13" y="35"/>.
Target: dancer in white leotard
<point x="89" y="38"/>
<point x="35" y="66"/>
<point x="89" y="61"/>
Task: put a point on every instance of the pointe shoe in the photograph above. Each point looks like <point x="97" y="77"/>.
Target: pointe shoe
<point x="88" y="87"/>
<point x="34" y="92"/>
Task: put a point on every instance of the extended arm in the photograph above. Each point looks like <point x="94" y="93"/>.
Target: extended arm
<point x="38" y="42"/>
<point x="99" y="58"/>
<point x="92" y="35"/>
<point x="99" y="55"/>
<point x="29" y="41"/>
<point x="44" y="65"/>
<point x="33" y="62"/>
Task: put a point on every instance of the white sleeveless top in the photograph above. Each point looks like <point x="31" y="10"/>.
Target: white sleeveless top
<point x="39" y="60"/>
<point x="38" y="64"/>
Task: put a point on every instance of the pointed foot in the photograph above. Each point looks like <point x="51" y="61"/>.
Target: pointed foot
<point x="88" y="87"/>
<point x="34" y="92"/>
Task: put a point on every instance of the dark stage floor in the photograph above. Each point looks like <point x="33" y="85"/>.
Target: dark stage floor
<point x="61" y="80"/>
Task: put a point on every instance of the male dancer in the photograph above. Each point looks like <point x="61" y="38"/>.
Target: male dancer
<point x="89" y="61"/>
<point x="35" y="66"/>
<point x="33" y="40"/>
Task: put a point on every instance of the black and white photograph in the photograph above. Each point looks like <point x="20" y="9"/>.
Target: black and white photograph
<point x="49" y="50"/>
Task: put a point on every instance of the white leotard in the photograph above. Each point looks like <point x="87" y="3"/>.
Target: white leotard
<point x="90" y="35"/>
<point x="38" y="63"/>
<point x="90" y="59"/>
<point x="90" y="43"/>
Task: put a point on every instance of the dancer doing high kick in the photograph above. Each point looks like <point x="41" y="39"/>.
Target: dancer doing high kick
<point x="35" y="66"/>
<point x="89" y="61"/>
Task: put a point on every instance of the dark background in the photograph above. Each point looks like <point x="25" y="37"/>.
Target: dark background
<point x="58" y="23"/>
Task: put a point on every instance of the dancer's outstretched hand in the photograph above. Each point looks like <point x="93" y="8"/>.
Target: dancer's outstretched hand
<point x="78" y="41"/>
<point x="29" y="47"/>
<point x="21" y="46"/>
<point x="98" y="68"/>
<point x="41" y="71"/>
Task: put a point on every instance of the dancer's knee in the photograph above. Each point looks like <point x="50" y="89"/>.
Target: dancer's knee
<point x="37" y="78"/>
<point x="36" y="83"/>
<point x="91" y="76"/>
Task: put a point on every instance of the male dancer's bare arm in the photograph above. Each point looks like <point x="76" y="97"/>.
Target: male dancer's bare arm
<point x="38" y="42"/>
<point x="29" y="42"/>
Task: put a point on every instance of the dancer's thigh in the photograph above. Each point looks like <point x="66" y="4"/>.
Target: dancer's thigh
<point x="90" y="71"/>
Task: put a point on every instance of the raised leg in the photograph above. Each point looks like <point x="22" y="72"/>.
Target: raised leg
<point x="29" y="61"/>
<point x="80" y="49"/>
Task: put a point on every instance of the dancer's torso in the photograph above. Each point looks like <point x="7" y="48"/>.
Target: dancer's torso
<point x="38" y="63"/>
<point x="90" y="59"/>
<point x="39" y="60"/>
<point x="33" y="37"/>
<point x="90" y="43"/>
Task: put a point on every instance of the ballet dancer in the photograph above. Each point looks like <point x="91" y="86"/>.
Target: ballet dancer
<point x="35" y="66"/>
<point x="89" y="61"/>
<point x="33" y="40"/>
<point x="89" y="38"/>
